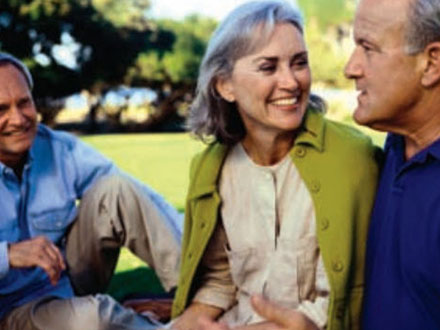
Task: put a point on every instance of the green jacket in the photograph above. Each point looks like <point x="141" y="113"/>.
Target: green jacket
<point x="339" y="167"/>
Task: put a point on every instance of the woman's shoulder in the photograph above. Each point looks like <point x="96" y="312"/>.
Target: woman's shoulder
<point x="348" y="142"/>
<point x="209" y="160"/>
<point x="343" y="135"/>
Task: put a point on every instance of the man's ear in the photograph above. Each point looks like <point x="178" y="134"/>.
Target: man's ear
<point x="224" y="89"/>
<point x="431" y="72"/>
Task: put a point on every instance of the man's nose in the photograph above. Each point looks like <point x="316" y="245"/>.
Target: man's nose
<point x="353" y="68"/>
<point x="16" y="116"/>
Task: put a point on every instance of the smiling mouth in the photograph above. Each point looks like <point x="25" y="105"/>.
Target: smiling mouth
<point x="17" y="132"/>
<point x="285" y="101"/>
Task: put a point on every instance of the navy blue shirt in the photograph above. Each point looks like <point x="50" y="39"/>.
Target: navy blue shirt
<point x="403" y="250"/>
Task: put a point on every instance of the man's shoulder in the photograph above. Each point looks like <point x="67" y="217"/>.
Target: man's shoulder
<point x="52" y="136"/>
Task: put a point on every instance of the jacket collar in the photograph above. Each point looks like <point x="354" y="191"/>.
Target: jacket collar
<point x="313" y="130"/>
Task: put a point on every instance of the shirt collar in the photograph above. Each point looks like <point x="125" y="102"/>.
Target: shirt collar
<point x="29" y="159"/>
<point x="397" y="144"/>
<point x="313" y="130"/>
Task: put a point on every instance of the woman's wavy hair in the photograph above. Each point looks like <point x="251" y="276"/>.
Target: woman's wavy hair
<point x="211" y="118"/>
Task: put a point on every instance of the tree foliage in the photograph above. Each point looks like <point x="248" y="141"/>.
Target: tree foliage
<point x="104" y="41"/>
<point x="35" y="30"/>
<point x="328" y="12"/>
<point x="328" y="24"/>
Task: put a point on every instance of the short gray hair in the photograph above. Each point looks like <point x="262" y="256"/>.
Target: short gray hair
<point x="423" y="26"/>
<point x="210" y="116"/>
<point x="9" y="59"/>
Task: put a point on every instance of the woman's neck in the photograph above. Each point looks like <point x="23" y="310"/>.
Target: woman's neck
<point x="268" y="150"/>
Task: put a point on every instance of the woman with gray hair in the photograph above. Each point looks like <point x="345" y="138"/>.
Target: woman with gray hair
<point x="279" y="201"/>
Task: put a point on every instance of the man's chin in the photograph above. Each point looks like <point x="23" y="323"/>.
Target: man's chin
<point x="361" y="118"/>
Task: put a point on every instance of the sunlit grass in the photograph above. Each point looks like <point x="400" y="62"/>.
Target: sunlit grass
<point x="159" y="160"/>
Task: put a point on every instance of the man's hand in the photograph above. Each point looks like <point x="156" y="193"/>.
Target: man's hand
<point x="278" y="318"/>
<point x="189" y="319"/>
<point x="282" y="318"/>
<point x="37" y="252"/>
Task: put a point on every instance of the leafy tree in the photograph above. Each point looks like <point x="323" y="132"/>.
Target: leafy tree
<point x="328" y="24"/>
<point x="101" y="44"/>
<point x="173" y="73"/>
<point x="328" y="12"/>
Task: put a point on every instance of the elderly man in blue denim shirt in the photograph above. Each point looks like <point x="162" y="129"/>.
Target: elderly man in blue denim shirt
<point x="54" y="256"/>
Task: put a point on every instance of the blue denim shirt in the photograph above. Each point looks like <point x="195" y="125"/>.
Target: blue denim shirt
<point x="59" y="170"/>
<point x="403" y="250"/>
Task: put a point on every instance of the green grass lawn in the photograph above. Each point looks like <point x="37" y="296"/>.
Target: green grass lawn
<point x="162" y="161"/>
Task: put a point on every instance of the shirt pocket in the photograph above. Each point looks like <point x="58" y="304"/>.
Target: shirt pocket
<point x="307" y="258"/>
<point x="245" y="266"/>
<point x="54" y="220"/>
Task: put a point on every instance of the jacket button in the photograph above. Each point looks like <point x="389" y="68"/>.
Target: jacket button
<point x="338" y="266"/>
<point x="325" y="223"/>
<point x="340" y="312"/>
<point x="300" y="152"/>
<point x="315" y="186"/>
<point x="202" y="225"/>
<point x="190" y="255"/>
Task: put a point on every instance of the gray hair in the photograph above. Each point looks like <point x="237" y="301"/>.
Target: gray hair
<point x="210" y="116"/>
<point x="423" y="25"/>
<point x="9" y="59"/>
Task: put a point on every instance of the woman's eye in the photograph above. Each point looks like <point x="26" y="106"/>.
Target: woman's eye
<point x="267" y="68"/>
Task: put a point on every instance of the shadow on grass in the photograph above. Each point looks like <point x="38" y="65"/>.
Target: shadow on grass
<point x="134" y="283"/>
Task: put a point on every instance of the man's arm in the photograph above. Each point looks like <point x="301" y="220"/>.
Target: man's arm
<point x="37" y="252"/>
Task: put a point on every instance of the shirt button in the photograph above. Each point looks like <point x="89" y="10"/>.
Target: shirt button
<point x="338" y="266"/>
<point x="325" y="224"/>
<point x="315" y="186"/>
<point x="300" y="152"/>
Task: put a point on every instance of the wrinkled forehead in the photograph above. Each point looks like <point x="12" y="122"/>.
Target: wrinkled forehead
<point x="19" y="68"/>
<point x="380" y="19"/>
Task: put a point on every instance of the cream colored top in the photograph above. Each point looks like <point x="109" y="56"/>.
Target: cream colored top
<point x="266" y="243"/>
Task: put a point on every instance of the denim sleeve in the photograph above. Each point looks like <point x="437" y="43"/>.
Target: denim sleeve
<point x="89" y="165"/>
<point x="4" y="259"/>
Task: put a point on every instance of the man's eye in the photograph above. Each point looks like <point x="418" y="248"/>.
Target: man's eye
<point x="24" y="103"/>
<point x="301" y="63"/>
<point x="366" y="48"/>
